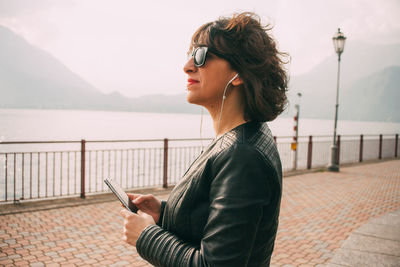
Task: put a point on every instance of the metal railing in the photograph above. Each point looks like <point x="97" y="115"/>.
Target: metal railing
<point x="51" y="169"/>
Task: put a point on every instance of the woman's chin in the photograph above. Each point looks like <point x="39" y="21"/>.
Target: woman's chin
<point x="191" y="98"/>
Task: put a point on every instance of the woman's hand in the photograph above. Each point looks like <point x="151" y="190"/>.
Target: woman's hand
<point x="134" y="224"/>
<point x="148" y="204"/>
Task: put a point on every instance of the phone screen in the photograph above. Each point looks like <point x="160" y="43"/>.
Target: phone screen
<point x="120" y="193"/>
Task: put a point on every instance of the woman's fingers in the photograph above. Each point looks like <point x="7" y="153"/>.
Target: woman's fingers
<point x="143" y="199"/>
<point x="125" y="213"/>
<point x="133" y="196"/>
<point x="134" y="225"/>
<point x="139" y="198"/>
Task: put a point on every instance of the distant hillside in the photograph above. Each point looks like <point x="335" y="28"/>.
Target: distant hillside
<point x="318" y="87"/>
<point x="375" y="97"/>
<point x="32" y="78"/>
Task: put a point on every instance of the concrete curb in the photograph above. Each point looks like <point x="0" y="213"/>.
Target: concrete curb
<point x="56" y="203"/>
<point x="376" y="243"/>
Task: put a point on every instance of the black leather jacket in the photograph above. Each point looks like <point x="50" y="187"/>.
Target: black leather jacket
<point x="224" y="211"/>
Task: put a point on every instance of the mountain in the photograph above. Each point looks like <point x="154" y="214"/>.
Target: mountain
<point x="32" y="78"/>
<point x="375" y="97"/>
<point x="359" y="61"/>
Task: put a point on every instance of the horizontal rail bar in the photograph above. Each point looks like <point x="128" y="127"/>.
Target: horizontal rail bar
<point x="162" y="140"/>
<point x="37" y="142"/>
<point x="41" y="151"/>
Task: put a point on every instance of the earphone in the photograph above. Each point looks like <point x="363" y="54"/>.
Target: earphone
<point x="234" y="77"/>
<point x="230" y="81"/>
<point x="220" y="114"/>
<point x="223" y="100"/>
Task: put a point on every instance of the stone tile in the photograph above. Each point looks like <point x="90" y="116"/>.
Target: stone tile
<point x="51" y="254"/>
<point x="372" y="245"/>
<point x="391" y="220"/>
<point x="37" y="264"/>
<point x="15" y="256"/>
<point x="348" y="257"/>
<point x="380" y="230"/>
<point x="334" y="265"/>
<point x="120" y="263"/>
<point x="397" y="212"/>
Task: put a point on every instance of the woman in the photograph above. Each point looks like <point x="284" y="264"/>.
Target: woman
<point x="224" y="211"/>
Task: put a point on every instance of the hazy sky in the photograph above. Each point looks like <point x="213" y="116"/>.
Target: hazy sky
<point x="139" y="47"/>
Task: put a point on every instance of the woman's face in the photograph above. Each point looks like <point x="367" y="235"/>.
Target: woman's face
<point x="206" y="83"/>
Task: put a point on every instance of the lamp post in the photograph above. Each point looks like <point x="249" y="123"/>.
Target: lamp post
<point x="338" y="42"/>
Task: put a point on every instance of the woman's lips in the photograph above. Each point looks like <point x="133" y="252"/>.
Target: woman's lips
<point x="192" y="81"/>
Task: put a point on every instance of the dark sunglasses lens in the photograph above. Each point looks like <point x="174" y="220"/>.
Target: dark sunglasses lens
<point x="199" y="56"/>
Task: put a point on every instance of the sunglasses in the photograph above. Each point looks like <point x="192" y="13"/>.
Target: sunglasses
<point x="199" y="56"/>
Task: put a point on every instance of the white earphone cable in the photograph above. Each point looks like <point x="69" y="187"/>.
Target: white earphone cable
<point x="201" y="129"/>
<point x="223" y="100"/>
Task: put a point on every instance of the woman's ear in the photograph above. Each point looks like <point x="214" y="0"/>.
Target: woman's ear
<point x="238" y="81"/>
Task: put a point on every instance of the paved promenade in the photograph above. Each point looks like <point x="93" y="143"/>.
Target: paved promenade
<point x="320" y="211"/>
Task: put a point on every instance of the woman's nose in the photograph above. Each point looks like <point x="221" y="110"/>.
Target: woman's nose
<point x="189" y="66"/>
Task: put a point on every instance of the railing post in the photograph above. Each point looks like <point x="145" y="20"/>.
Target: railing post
<point x="83" y="152"/>
<point x="338" y="149"/>
<point x="361" y="147"/>
<point x="380" y="146"/>
<point x="6" y="175"/>
<point x="15" y="176"/>
<point x="396" y="145"/>
<point x="165" y="177"/>
<point x="309" y="152"/>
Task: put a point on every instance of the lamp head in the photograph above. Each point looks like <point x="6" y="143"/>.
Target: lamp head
<point x="338" y="42"/>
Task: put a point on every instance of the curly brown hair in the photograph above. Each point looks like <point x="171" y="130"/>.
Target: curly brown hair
<point x="252" y="52"/>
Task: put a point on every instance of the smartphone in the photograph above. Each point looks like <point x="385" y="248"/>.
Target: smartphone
<point x="122" y="196"/>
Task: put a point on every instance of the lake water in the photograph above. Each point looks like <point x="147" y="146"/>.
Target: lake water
<point x="44" y="125"/>
<point x="54" y="173"/>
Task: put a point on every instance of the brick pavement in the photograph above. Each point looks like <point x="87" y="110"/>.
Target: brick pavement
<point x="319" y="211"/>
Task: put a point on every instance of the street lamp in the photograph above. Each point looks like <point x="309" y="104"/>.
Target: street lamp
<point x="338" y="42"/>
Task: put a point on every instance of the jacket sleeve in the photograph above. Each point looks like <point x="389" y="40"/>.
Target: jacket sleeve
<point x="163" y="203"/>
<point x="239" y="188"/>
